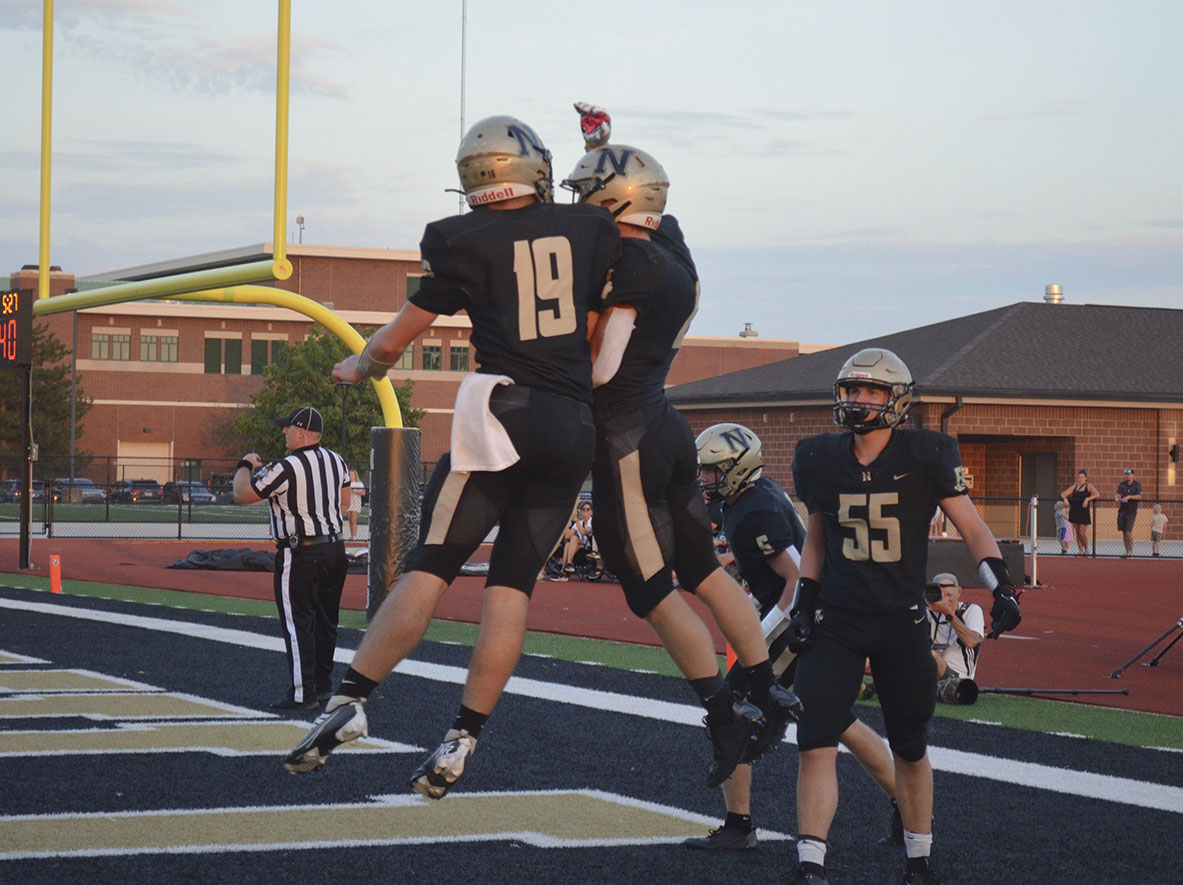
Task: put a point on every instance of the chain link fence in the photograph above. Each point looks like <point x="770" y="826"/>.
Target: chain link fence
<point x="99" y="499"/>
<point x="134" y="498"/>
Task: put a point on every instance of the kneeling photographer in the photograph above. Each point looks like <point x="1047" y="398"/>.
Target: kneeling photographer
<point x="957" y="631"/>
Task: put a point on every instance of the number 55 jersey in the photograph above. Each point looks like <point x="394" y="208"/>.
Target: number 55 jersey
<point x="877" y="516"/>
<point x="527" y="279"/>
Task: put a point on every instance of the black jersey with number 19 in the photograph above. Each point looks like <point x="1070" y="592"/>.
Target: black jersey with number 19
<point x="877" y="515"/>
<point x="527" y="279"/>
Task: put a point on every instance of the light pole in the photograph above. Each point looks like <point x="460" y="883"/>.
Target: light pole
<point x="344" y="385"/>
<point x="300" y="222"/>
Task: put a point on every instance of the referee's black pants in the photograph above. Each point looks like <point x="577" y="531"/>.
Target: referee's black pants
<point x="308" y="584"/>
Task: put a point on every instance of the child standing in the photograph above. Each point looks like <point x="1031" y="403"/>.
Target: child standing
<point x="1158" y="523"/>
<point x="1062" y="530"/>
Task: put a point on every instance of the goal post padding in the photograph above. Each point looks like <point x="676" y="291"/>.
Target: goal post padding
<point x="394" y="508"/>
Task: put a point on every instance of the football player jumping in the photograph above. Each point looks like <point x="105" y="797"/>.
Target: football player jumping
<point x="871" y="492"/>
<point x="651" y="520"/>
<point x="529" y="274"/>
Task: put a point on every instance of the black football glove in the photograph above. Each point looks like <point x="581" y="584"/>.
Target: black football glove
<point x="801" y="615"/>
<point x="1005" y="614"/>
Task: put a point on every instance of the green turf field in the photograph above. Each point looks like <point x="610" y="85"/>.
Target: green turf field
<point x="1030" y="714"/>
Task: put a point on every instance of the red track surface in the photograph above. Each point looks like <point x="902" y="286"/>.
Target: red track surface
<point x="1087" y="619"/>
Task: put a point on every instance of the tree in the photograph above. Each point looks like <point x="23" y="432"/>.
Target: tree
<point x="301" y="377"/>
<point x="51" y="399"/>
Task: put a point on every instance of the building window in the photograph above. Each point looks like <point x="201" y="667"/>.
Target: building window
<point x="100" y="346"/>
<point x="433" y="357"/>
<point x="168" y="348"/>
<point x="264" y="352"/>
<point x="223" y="356"/>
<point x="407" y="360"/>
<point x="413" y="285"/>
<point x="121" y="347"/>
<point x="149" y="349"/>
<point x="458" y="358"/>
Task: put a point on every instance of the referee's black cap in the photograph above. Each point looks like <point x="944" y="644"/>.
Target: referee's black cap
<point x="306" y="417"/>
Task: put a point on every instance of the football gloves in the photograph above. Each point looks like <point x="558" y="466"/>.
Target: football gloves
<point x="1005" y="614"/>
<point x="595" y="124"/>
<point x="801" y="615"/>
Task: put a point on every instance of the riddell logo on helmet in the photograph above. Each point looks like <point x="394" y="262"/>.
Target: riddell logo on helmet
<point x="493" y="196"/>
<point x="652" y="222"/>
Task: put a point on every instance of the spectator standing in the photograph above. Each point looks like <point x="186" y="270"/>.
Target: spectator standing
<point x="357" y="488"/>
<point x="306" y="491"/>
<point x="1077" y="498"/>
<point x="1063" y="532"/>
<point x="1129" y="493"/>
<point x="1158" y="524"/>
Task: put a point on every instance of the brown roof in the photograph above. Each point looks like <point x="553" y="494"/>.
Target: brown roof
<point x="1025" y="350"/>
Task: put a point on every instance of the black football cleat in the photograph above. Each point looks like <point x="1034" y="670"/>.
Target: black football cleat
<point x="724" y="839"/>
<point x="729" y="740"/>
<point x="809" y="874"/>
<point x="780" y="708"/>
<point x="332" y="728"/>
<point x="918" y="872"/>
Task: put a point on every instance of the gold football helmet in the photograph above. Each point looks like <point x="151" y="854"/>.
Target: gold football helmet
<point x="628" y="182"/>
<point x="501" y="158"/>
<point x="873" y="367"/>
<point x="729" y="457"/>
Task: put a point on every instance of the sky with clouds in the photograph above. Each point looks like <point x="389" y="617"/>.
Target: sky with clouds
<point x="841" y="170"/>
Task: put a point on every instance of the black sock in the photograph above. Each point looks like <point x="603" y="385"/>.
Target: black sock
<point x="354" y="685"/>
<point x="715" y="697"/>
<point x="470" y="721"/>
<point x="741" y="822"/>
<point x="760" y="678"/>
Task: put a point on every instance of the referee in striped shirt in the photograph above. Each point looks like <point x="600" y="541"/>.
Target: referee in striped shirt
<point x="307" y="492"/>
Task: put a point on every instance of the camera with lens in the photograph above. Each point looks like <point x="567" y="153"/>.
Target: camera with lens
<point x="932" y="593"/>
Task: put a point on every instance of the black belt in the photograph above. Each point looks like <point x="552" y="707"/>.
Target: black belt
<point x="310" y="540"/>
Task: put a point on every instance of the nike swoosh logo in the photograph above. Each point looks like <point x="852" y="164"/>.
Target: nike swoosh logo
<point x="898" y="475"/>
<point x="920" y="621"/>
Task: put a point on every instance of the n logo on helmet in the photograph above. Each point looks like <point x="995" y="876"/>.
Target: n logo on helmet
<point x="735" y="439"/>
<point x="527" y="139"/>
<point x="618" y="159"/>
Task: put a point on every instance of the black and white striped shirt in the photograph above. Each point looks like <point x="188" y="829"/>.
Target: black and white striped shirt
<point x="304" y="491"/>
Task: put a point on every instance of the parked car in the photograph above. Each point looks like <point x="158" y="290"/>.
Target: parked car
<point x="137" y="491"/>
<point x="187" y="492"/>
<point x="79" y="490"/>
<point x="10" y="491"/>
<point x="221" y="486"/>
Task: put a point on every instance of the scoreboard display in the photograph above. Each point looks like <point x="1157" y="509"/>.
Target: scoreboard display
<point x="16" y="329"/>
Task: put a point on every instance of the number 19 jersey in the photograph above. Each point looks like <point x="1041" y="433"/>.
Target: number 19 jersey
<point x="877" y="515"/>
<point x="527" y="279"/>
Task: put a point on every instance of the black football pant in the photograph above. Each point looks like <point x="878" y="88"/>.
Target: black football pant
<point x="308" y="584"/>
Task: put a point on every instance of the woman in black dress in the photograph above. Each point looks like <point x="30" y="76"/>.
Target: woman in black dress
<point x="1078" y="498"/>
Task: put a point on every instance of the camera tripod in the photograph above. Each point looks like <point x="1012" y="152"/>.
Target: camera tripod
<point x="1153" y="662"/>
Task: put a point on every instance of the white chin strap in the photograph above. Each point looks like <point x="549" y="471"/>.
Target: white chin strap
<point x="648" y="220"/>
<point x="485" y="195"/>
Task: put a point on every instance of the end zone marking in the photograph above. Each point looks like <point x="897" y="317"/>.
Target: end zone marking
<point x="545" y="819"/>
<point x="234" y="738"/>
